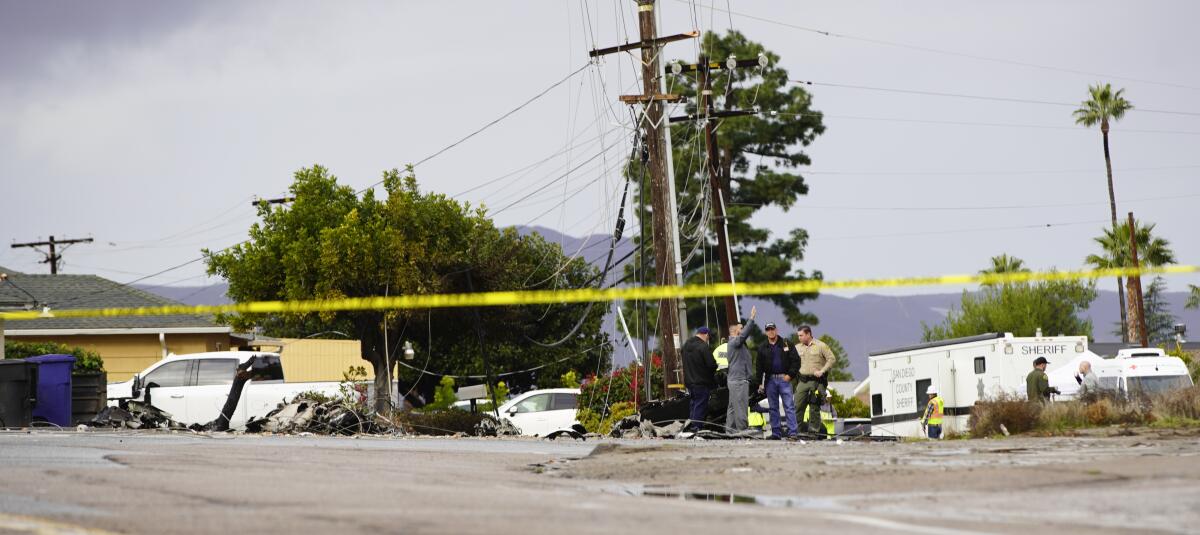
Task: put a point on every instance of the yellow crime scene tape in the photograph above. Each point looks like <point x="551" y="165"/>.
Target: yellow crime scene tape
<point x="643" y="293"/>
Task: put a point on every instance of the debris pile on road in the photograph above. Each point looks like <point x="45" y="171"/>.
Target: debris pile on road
<point x="135" y="415"/>
<point x="336" y="417"/>
<point x="490" y="426"/>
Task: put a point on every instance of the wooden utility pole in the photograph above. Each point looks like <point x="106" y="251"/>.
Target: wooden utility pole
<point x="705" y="107"/>
<point x="1137" y="309"/>
<point x="706" y="112"/>
<point x="663" y="220"/>
<point x="54" y="256"/>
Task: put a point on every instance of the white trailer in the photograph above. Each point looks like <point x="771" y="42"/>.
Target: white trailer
<point x="964" y="370"/>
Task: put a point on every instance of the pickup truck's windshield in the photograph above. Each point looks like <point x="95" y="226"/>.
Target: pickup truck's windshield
<point x="216" y="371"/>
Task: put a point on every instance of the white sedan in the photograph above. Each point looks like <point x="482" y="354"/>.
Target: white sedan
<point x="541" y="412"/>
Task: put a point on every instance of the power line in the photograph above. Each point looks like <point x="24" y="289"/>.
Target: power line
<point x="976" y="123"/>
<point x="999" y="173"/>
<point x="978" y="97"/>
<point x="492" y="123"/>
<point x="978" y="207"/>
<point x="957" y="231"/>
<point x="945" y="52"/>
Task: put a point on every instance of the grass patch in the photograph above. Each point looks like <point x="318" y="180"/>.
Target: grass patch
<point x="1177" y="409"/>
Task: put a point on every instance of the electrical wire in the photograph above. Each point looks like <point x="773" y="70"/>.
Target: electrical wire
<point x="953" y="53"/>
<point x="506" y="115"/>
<point x="959" y="231"/>
<point x="979" y="97"/>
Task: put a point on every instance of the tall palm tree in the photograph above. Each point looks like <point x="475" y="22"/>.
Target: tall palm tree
<point x="1152" y="251"/>
<point x="1106" y="105"/>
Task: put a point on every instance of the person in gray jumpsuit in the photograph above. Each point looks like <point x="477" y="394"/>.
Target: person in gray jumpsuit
<point x="740" y="372"/>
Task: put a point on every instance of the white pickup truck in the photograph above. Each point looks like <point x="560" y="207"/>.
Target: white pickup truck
<point x="193" y="388"/>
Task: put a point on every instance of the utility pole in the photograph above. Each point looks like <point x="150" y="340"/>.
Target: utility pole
<point x="654" y="125"/>
<point x="54" y="256"/>
<point x="714" y="181"/>
<point x="705" y="111"/>
<point x="1137" y="309"/>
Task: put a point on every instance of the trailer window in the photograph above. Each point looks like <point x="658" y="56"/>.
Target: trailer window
<point x="876" y="404"/>
<point x="980" y="366"/>
<point x="922" y="398"/>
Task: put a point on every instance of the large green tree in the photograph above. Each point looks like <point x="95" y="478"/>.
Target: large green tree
<point x="1103" y="106"/>
<point x="1116" y="253"/>
<point x="759" y="161"/>
<point x="332" y="243"/>
<point x="1021" y="308"/>
<point x="1160" y="322"/>
<point x="841" y="368"/>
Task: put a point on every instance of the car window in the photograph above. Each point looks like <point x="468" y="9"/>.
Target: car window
<point x="170" y="374"/>
<point x="538" y="403"/>
<point x="216" y="371"/>
<point x="563" y="402"/>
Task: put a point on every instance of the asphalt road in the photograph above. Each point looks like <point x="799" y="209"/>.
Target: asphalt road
<point x="131" y="482"/>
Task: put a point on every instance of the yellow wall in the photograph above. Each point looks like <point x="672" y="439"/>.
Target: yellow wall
<point x="320" y="360"/>
<point x="127" y="354"/>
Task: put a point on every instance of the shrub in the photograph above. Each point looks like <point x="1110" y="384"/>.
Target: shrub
<point x="1181" y="404"/>
<point x="441" y="422"/>
<point x="595" y="424"/>
<point x="443" y="395"/>
<point x="86" y="360"/>
<point x="619" y="386"/>
<point x="849" y="407"/>
<point x="1016" y="414"/>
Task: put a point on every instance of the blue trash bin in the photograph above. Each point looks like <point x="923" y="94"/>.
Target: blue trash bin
<point x="54" y="388"/>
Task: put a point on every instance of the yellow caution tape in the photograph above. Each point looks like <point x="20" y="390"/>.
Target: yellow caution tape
<point x="644" y="293"/>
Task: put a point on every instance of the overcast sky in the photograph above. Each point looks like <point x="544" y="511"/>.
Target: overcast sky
<point x="151" y="125"/>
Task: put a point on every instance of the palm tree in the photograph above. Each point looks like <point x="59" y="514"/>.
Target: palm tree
<point x="1005" y="264"/>
<point x="1152" y="251"/>
<point x="1103" y="106"/>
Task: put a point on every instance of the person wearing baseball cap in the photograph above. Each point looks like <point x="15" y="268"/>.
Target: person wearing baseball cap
<point x="699" y="376"/>
<point x="777" y="365"/>
<point x="1037" y="383"/>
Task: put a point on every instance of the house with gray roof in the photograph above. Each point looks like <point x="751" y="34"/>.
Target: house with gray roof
<point x="127" y="343"/>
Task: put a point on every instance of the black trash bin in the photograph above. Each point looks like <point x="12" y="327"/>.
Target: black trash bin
<point x="89" y="395"/>
<point x="18" y="392"/>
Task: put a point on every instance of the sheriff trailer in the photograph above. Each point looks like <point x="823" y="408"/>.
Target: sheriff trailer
<point x="964" y="370"/>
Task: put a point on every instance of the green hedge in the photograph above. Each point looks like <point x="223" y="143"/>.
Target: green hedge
<point x="86" y="360"/>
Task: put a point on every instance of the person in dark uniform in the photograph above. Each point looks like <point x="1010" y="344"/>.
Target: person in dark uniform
<point x="699" y="376"/>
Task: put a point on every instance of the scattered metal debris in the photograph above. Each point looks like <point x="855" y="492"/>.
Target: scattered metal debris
<point x="135" y="415"/>
<point x="490" y="426"/>
<point x="336" y="417"/>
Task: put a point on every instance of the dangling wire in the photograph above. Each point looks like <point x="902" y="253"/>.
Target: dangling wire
<point x="616" y="238"/>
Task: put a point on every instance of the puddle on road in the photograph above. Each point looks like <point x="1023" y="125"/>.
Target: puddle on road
<point x="791" y="502"/>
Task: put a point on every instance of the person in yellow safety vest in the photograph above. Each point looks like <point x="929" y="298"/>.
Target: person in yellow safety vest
<point x="720" y="355"/>
<point x="756" y="419"/>
<point x="934" y="411"/>
<point x="827" y="416"/>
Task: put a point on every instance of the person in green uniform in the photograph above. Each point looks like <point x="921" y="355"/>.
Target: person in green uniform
<point x="1037" y="384"/>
